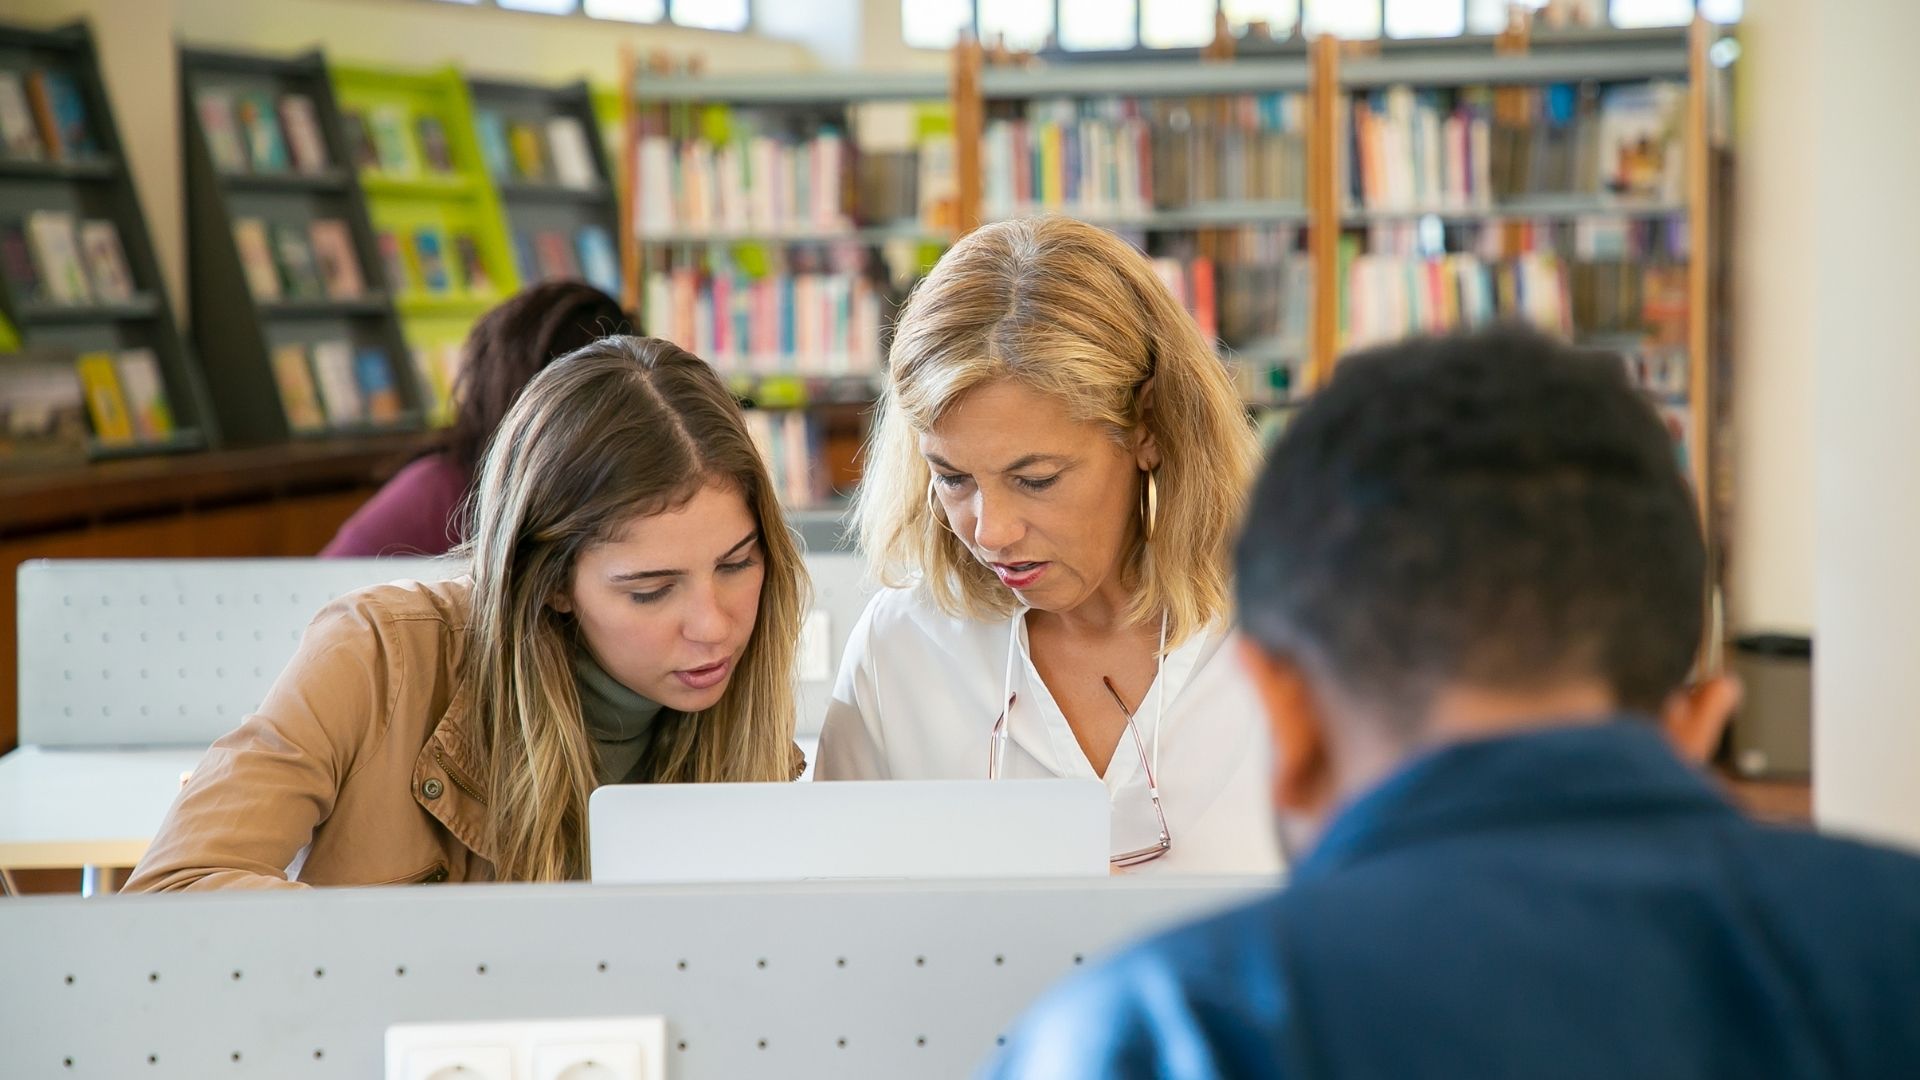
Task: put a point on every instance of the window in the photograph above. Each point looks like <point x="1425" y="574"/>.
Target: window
<point x="1175" y="24"/>
<point x="1425" y="18"/>
<point x="1102" y="25"/>
<point x="1026" y="25"/>
<point x="1279" y="15"/>
<point x="933" y="24"/>
<point x="1087" y="25"/>
<point x="628" y="10"/>
<point x="731" y="15"/>
<point x="1342" y="18"/>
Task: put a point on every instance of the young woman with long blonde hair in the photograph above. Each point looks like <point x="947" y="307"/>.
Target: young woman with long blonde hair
<point x="631" y="614"/>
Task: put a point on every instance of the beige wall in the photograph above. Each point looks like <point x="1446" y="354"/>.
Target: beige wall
<point x="1770" y="576"/>
<point x="136" y="39"/>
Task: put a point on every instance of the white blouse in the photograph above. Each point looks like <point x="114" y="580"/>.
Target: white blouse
<point x="919" y="691"/>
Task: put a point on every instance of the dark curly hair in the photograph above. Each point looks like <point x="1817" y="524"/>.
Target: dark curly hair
<point x="1496" y="509"/>
<point x="509" y="345"/>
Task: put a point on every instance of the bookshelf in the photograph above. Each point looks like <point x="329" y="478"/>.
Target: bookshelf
<point x="1563" y="178"/>
<point x="1204" y="166"/>
<point x="547" y="158"/>
<point x="272" y="354"/>
<point x="776" y="226"/>
<point x="80" y="275"/>
<point x="440" y="232"/>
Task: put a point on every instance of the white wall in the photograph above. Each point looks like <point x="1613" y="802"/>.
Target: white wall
<point x="1860" y="277"/>
<point x="1770" y="572"/>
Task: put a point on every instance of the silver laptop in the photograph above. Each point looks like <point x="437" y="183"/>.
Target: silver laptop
<point x="656" y="834"/>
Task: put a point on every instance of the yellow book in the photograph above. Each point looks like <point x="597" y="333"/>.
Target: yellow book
<point x="1053" y="178"/>
<point x="105" y="404"/>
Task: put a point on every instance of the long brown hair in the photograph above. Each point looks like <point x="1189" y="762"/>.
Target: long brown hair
<point x="623" y="427"/>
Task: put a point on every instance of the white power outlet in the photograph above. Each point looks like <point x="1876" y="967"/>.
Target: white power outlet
<point x="622" y="1048"/>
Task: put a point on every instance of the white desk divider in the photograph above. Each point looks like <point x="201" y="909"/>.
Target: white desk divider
<point x="144" y="652"/>
<point x="839" y="980"/>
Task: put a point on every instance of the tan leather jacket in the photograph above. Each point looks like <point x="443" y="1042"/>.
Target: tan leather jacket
<point x="360" y="768"/>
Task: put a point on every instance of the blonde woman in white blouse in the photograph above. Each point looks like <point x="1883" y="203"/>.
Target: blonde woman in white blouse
<point x="1050" y="494"/>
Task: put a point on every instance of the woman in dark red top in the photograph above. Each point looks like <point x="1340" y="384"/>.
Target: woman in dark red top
<point x="419" y="511"/>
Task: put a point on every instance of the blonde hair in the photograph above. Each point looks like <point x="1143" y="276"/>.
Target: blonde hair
<point x="1074" y="312"/>
<point x="621" y="427"/>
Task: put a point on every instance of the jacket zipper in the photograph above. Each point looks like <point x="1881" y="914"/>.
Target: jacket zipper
<point x="457" y="781"/>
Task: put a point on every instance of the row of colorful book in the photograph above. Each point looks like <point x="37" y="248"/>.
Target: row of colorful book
<point x="806" y="321"/>
<point x="753" y="183"/>
<point x="1116" y="157"/>
<point x="1419" y="149"/>
<point x="549" y="255"/>
<point x="437" y="367"/>
<point x="390" y="139"/>
<point x="553" y="152"/>
<point x="792" y="444"/>
<point x="1388" y="297"/>
<point x="43" y="117"/>
<point x="434" y="261"/>
<point x="332" y="385"/>
<point x="50" y="403"/>
<point x="286" y="261"/>
<point x="51" y="257"/>
<point x="261" y="132"/>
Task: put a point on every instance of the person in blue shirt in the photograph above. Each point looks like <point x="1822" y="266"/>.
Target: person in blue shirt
<point x="1472" y="584"/>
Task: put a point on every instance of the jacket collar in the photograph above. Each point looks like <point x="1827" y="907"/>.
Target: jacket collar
<point x="1590" y="770"/>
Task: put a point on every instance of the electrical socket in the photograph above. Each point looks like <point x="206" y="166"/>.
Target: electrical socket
<point x="618" y="1048"/>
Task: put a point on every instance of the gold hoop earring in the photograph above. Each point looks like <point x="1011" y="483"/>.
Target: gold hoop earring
<point x="1149" y="505"/>
<point x="933" y="509"/>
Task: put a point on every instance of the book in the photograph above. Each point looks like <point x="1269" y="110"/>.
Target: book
<point x="299" y="398"/>
<point x="298" y="270"/>
<point x="599" y="262"/>
<point x="305" y="144"/>
<point x="392" y="140"/>
<point x="524" y="264"/>
<point x="555" y="257"/>
<point x="56" y="253"/>
<point x="106" y="406"/>
<point x="256" y="258"/>
<point x="16" y="263"/>
<point x="529" y="153"/>
<point x="106" y="262"/>
<point x="62" y="114"/>
<point x="339" y="390"/>
<point x="338" y="262"/>
<point x="429" y="257"/>
<point x="19" y="137"/>
<point x="43" y="410"/>
<point x="393" y="263"/>
<point x="222" y="131"/>
<point x="360" y="140"/>
<point x="571" y="152"/>
<point x="266" y="147"/>
<point x="473" y="271"/>
<point x="145" y="394"/>
<point x="492" y="132"/>
<point x="433" y="144"/>
<point x="375" y="378"/>
<point x="435" y="368"/>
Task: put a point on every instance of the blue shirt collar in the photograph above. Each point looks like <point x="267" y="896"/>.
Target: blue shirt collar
<point x="1558" y="772"/>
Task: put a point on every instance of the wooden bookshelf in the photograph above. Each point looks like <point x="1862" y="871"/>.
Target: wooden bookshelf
<point x="95" y="187"/>
<point x="238" y="332"/>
